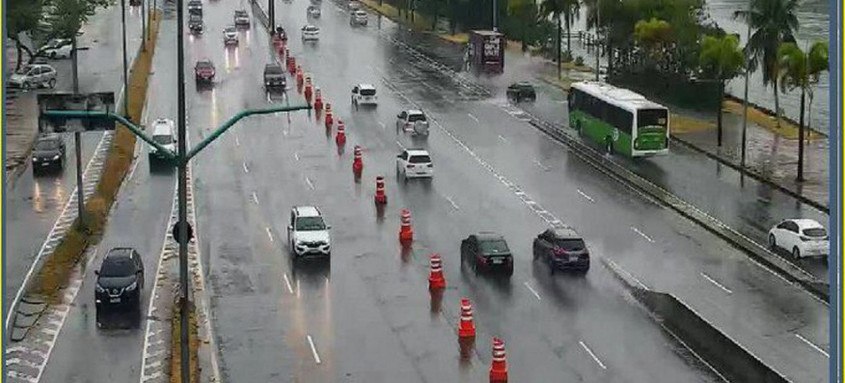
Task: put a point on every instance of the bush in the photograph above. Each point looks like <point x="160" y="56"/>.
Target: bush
<point x="566" y="57"/>
<point x="579" y="61"/>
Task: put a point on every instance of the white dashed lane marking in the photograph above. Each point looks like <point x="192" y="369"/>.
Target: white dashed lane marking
<point x="592" y="355"/>
<point x="719" y="285"/>
<point x="532" y="290"/>
<point x="811" y="344"/>
<point x="642" y="234"/>
<point x="585" y="196"/>
<point x="314" y="350"/>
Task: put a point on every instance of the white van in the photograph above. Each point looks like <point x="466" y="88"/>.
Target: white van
<point x="164" y="134"/>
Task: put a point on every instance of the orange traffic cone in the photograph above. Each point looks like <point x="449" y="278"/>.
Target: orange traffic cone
<point x="357" y="162"/>
<point x="340" y="138"/>
<point x="287" y="53"/>
<point x="436" y="281"/>
<point x="291" y="65"/>
<point x="499" y="366"/>
<point x="308" y="92"/>
<point x="406" y="233"/>
<point x="318" y="99"/>
<point x="466" y="328"/>
<point x="380" y="197"/>
<point x="299" y="78"/>
<point x="329" y="116"/>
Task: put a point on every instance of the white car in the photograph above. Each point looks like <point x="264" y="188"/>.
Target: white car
<point x="354" y="4"/>
<point x="33" y="76"/>
<point x="57" y="48"/>
<point x="801" y="237"/>
<point x="314" y="11"/>
<point x="230" y="36"/>
<point x="413" y="121"/>
<point x="164" y="134"/>
<point x="358" y="17"/>
<point x="308" y="234"/>
<point x="414" y="163"/>
<point x="310" y="32"/>
<point x="364" y="94"/>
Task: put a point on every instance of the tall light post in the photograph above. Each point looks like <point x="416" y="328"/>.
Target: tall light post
<point x="495" y="15"/>
<point x="143" y="26"/>
<point x="183" y="195"/>
<point x="598" y="39"/>
<point x="745" y="97"/>
<point x="125" y="68"/>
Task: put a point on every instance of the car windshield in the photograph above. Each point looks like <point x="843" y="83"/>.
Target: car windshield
<point x="570" y="244"/>
<point x="494" y="246"/>
<point x="117" y="267"/>
<point x="47" y="145"/>
<point x="273" y="70"/>
<point x="203" y="65"/>
<point x="416" y="117"/>
<point x="368" y="92"/>
<point x="163" y="139"/>
<point x="420" y="159"/>
<point x="310" y="224"/>
<point x="240" y="13"/>
<point x="816" y="232"/>
<point x="230" y="30"/>
<point x="25" y="69"/>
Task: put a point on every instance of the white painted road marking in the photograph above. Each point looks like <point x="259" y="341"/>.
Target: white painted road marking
<point x="400" y="145"/>
<point x="246" y="169"/>
<point x="310" y="184"/>
<point x="817" y="348"/>
<point x="314" y="350"/>
<point x="503" y="138"/>
<point x="296" y="155"/>
<point x="383" y="126"/>
<point x="585" y="196"/>
<point x="532" y="290"/>
<point x="642" y="234"/>
<point x="719" y="285"/>
<point x="584" y="345"/>
<point x="255" y="198"/>
<point x="473" y="117"/>
<point x="541" y="166"/>
<point x="237" y="141"/>
<point x="287" y="283"/>
<point x="270" y="234"/>
<point x="454" y="205"/>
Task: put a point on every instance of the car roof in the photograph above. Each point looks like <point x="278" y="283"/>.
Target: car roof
<point x="307" y="211"/>
<point x="488" y="236"/>
<point x="367" y="86"/>
<point x="565" y="232"/>
<point x="163" y="126"/>
<point x="240" y="12"/>
<point x="205" y="62"/>
<point x="119" y="252"/>
<point x="49" y="137"/>
<point x="806" y="223"/>
<point x="230" y="28"/>
<point x="417" y="152"/>
<point x="415" y="111"/>
<point x="522" y="83"/>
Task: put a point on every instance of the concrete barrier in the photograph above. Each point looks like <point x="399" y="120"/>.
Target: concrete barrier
<point x="730" y="359"/>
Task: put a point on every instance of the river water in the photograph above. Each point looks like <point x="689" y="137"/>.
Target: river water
<point x="813" y="18"/>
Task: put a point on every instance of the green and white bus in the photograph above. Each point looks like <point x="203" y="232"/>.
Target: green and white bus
<point x="620" y="120"/>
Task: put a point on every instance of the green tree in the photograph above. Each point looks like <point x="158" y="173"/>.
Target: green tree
<point x="556" y="8"/>
<point x="800" y="70"/>
<point x="23" y="18"/>
<point x="524" y="13"/>
<point x="773" y="22"/>
<point x="721" y="60"/>
<point x="654" y="36"/>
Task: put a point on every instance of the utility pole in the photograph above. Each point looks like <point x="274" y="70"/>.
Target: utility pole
<point x="183" y="194"/>
<point x="745" y="97"/>
<point x="598" y="39"/>
<point x="272" y="13"/>
<point x="495" y="15"/>
<point x="143" y="26"/>
<point x="125" y="69"/>
<point x="77" y="138"/>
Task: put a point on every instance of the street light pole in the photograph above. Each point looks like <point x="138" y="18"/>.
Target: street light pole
<point x="745" y="98"/>
<point x="125" y="69"/>
<point x="143" y="26"/>
<point x="598" y="40"/>
<point x="77" y="138"/>
<point x="183" y="193"/>
<point x="495" y="15"/>
<point x="272" y="13"/>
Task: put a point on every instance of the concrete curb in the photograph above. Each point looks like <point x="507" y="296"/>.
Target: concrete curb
<point x="757" y="252"/>
<point x="725" y="356"/>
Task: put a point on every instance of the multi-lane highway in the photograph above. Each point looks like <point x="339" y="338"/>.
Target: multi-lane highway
<point x="368" y="316"/>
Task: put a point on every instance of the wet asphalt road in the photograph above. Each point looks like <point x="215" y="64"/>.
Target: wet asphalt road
<point x="265" y="310"/>
<point x="34" y="203"/>
<point x="139" y="220"/>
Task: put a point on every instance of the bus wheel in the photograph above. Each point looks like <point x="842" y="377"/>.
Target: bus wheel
<point x="608" y="146"/>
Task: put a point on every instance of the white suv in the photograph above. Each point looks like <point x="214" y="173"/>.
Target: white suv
<point x="310" y="32"/>
<point x="164" y="134"/>
<point x="308" y="234"/>
<point x="364" y="94"/>
<point x="801" y="237"/>
<point x="414" y="163"/>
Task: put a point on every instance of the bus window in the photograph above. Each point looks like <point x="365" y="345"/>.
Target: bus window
<point x="651" y="117"/>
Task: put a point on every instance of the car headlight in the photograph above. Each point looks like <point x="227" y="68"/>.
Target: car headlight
<point x="56" y="157"/>
<point x="132" y="287"/>
<point x="99" y="288"/>
<point x="300" y="245"/>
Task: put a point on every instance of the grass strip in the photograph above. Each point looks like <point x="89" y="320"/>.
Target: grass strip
<point x="54" y="274"/>
<point x="176" y="344"/>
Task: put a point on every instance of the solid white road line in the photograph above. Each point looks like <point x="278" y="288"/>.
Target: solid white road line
<point x="586" y="196"/>
<point x="314" y="350"/>
<point x="584" y="345"/>
<point x="287" y="283"/>
<point x="642" y="234"/>
<point x="532" y="290"/>
<point x="719" y="285"/>
<point x="817" y="348"/>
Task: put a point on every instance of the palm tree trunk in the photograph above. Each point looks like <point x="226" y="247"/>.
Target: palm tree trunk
<point x="558" y="45"/>
<point x="777" y="104"/>
<point x="800" y="177"/>
<point x="568" y="37"/>
<point x="20" y="55"/>
<point x="719" y="114"/>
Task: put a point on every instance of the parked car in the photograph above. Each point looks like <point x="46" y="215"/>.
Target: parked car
<point x="487" y="252"/>
<point x="57" y="48"/>
<point x="164" y="134"/>
<point x="414" y="163"/>
<point x="310" y="33"/>
<point x="120" y="281"/>
<point x="48" y="153"/>
<point x="562" y="249"/>
<point x="364" y="94"/>
<point x="358" y="17"/>
<point x="801" y="237"/>
<point x="308" y="233"/>
<point x="33" y="76"/>
<point x="314" y="11"/>
<point x="241" y="19"/>
<point x="230" y="36"/>
<point x="413" y="121"/>
<point x="274" y="78"/>
<point x="204" y="72"/>
<point x="521" y="91"/>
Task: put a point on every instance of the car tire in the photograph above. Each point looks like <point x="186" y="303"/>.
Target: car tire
<point x="52" y="55"/>
<point x="773" y="244"/>
<point x="796" y="253"/>
<point x="26" y="86"/>
<point x="51" y="83"/>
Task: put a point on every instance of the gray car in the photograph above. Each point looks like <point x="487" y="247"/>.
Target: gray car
<point x="33" y="76"/>
<point x="48" y="153"/>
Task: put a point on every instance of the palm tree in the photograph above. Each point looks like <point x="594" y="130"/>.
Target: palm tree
<point x="721" y="60"/>
<point x="773" y="22"/>
<point x="801" y="70"/>
<point x="526" y="12"/>
<point x="556" y="8"/>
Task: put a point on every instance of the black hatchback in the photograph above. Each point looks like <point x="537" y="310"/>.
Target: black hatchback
<point x="119" y="281"/>
<point x="487" y="252"/>
<point x="521" y="91"/>
<point x="562" y="249"/>
<point x="48" y="153"/>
